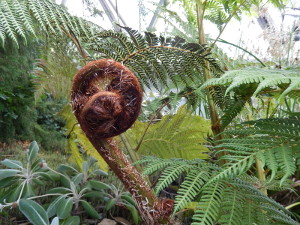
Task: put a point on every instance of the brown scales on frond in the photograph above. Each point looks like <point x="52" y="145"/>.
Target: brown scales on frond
<point x="106" y="99"/>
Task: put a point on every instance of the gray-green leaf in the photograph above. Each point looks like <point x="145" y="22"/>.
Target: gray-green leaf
<point x="90" y="209"/>
<point x="72" y="220"/>
<point x="65" y="207"/>
<point x="13" y="164"/>
<point x="8" y="173"/>
<point x="33" y="212"/>
<point x="55" y="221"/>
<point x="33" y="150"/>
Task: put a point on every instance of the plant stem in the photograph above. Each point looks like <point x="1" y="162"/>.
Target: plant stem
<point x="215" y="121"/>
<point x="292" y="205"/>
<point x="261" y="174"/>
<point x="153" y="210"/>
<point x="245" y="50"/>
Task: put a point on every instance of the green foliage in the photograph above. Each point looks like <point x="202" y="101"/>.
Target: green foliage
<point x="157" y="61"/>
<point x="53" y="73"/>
<point x="179" y="136"/>
<point x="77" y="141"/>
<point x="236" y="87"/>
<point x="228" y="200"/>
<point x="18" y="18"/>
<point x="265" y="81"/>
<point x="265" y="139"/>
<point x="44" y="194"/>
<point x="16" y="92"/>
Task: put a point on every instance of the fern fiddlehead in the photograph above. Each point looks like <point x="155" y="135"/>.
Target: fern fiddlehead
<point x="106" y="99"/>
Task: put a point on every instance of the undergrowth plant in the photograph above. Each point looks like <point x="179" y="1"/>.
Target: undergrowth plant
<point x="62" y="196"/>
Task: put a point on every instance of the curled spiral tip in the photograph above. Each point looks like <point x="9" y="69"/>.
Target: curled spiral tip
<point x="106" y="98"/>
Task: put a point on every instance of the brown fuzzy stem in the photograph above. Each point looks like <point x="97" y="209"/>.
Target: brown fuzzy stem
<point x="106" y="99"/>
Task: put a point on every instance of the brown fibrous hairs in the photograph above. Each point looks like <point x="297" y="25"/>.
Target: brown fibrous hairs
<point x="106" y="98"/>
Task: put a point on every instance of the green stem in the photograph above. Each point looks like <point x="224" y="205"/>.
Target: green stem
<point x="292" y="205"/>
<point x="261" y="174"/>
<point x="245" y="50"/>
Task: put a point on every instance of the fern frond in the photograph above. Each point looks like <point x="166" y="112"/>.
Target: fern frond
<point x="17" y="18"/>
<point x="190" y="188"/>
<point x="177" y="136"/>
<point x="237" y="166"/>
<point x="286" y="161"/>
<point x="156" y="60"/>
<point x="156" y="166"/>
<point x="210" y="204"/>
<point x="170" y="174"/>
<point x="267" y="140"/>
<point x="265" y="80"/>
<point x="231" y="207"/>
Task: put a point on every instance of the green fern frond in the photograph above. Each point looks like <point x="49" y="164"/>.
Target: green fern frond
<point x="77" y="141"/>
<point x="231" y="207"/>
<point x="177" y="136"/>
<point x="170" y="174"/>
<point x="17" y="18"/>
<point x="210" y="204"/>
<point x="230" y="200"/>
<point x="265" y="80"/>
<point x="267" y="140"/>
<point x="156" y="166"/>
<point x="190" y="188"/>
<point x="286" y="161"/>
<point x="237" y="166"/>
<point x="156" y="60"/>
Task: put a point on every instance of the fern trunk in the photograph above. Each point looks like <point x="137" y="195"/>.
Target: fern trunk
<point x="215" y="120"/>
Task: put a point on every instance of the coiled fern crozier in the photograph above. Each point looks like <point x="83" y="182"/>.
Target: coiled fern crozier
<point x="106" y="99"/>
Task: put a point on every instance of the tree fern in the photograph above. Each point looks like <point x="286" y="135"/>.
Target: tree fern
<point x="155" y="60"/>
<point x="17" y="18"/>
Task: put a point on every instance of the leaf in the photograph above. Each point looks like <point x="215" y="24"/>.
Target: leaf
<point x="98" y="185"/>
<point x="60" y="190"/>
<point x="52" y="208"/>
<point x="4" y="173"/>
<point x="33" y="150"/>
<point x="7" y="182"/>
<point x="72" y="220"/>
<point x="33" y="212"/>
<point x="94" y="194"/>
<point x="134" y="213"/>
<point x="78" y="178"/>
<point x="110" y="204"/>
<point x="55" y="221"/>
<point x="90" y="209"/>
<point x="67" y="169"/>
<point x="100" y="172"/>
<point x="85" y="167"/>
<point x="13" y="164"/>
<point x="65" y="207"/>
